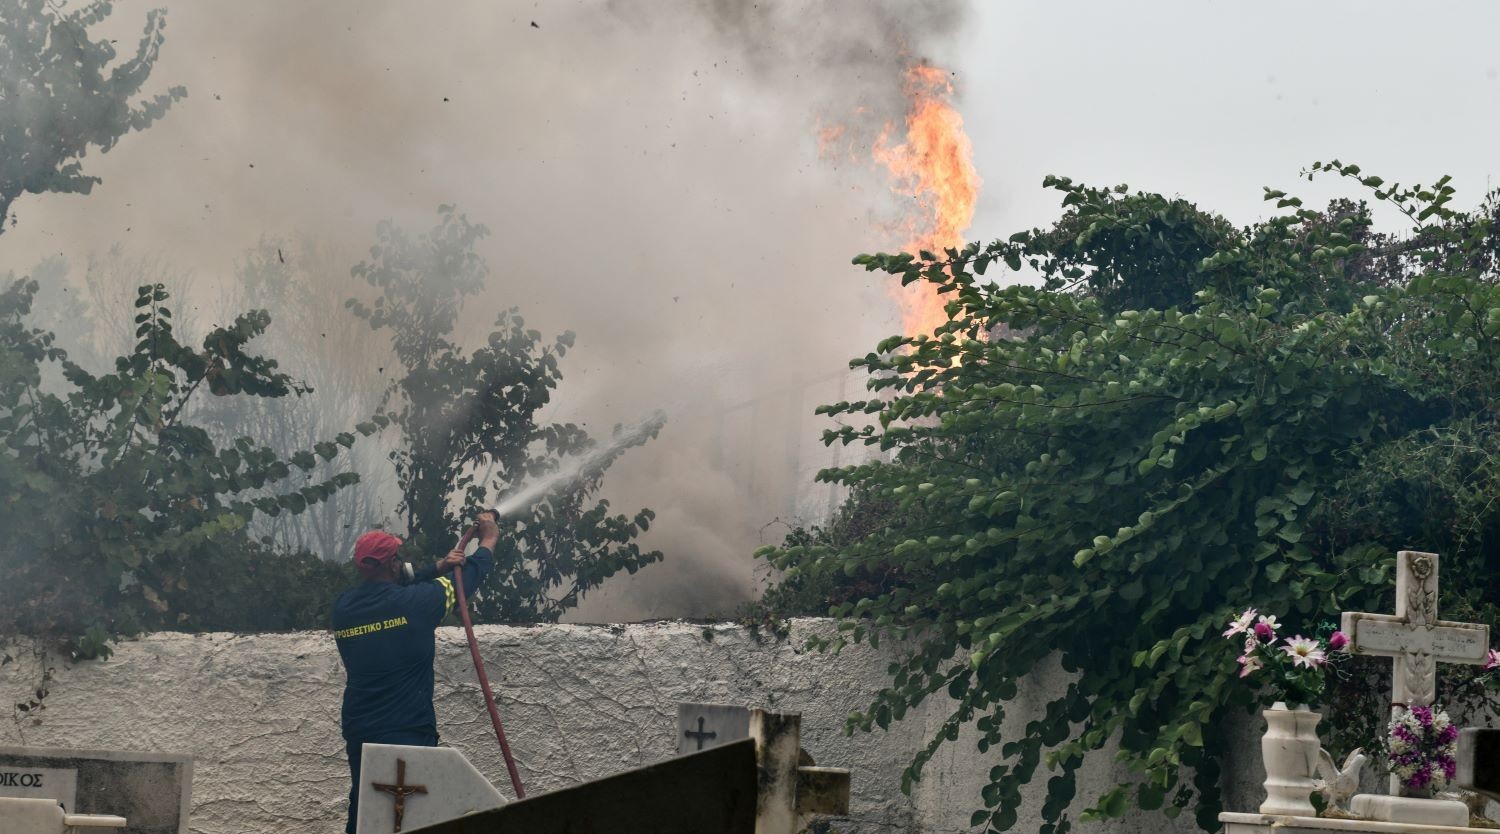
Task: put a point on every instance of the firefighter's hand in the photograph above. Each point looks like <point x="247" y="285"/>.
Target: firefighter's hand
<point x="489" y="531"/>
<point x="454" y="559"/>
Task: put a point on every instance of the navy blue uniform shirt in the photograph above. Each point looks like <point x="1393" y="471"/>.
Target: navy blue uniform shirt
<point x="385" y="635"/>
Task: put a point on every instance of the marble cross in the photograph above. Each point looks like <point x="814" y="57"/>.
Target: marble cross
<point x="1415" y="638"/>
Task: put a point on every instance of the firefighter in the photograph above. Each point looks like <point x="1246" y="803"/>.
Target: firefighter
<point x="385" y="628"/>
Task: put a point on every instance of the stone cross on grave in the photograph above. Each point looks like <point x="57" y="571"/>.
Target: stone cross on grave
<point x="1414" y="637"/>
<point x="400" y="790"/>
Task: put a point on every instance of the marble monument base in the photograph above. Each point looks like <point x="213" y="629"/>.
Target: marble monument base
<point x="1276" y="824"/>
<point x="46" y="816"/>
<point x="1410" y="809"/>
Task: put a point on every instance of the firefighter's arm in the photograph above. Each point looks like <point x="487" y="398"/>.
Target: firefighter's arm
<point x="474" y="567"/>
<point x="432" y="571"/>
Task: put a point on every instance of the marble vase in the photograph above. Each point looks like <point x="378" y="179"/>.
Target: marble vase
<point x="1290" y="752"/>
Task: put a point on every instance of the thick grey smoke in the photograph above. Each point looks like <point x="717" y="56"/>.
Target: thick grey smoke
<point x="845" y="58"/>
<point x="651" y="176"/>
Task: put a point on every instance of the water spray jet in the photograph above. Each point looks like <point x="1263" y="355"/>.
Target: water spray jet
<point x="513" y="508"/>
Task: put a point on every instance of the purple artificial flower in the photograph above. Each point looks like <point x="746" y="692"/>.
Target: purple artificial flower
<point x="1492" y="659"/>
<point x="1422" y="748"/>
<point x="1338" y="641"/>
<point x="1265" y="632"/>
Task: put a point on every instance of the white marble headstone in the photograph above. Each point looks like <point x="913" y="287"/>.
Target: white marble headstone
<point x="59" y="783"/>
<point x="701" y="726"/>
<point x="152" y="790"/>
<point x="437" y="784"/>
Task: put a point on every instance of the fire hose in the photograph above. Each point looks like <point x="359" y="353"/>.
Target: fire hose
<point x="484" y="679"/>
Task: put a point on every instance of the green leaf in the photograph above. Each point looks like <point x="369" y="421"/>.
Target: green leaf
<point x="1192" y="734"/>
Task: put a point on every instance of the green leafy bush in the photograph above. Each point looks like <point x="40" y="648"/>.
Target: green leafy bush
<point x="1182" y="420"/>
<point x="121" y="515"/>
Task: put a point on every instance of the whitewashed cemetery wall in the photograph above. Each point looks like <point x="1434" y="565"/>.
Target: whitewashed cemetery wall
<point x="260" y="715"/>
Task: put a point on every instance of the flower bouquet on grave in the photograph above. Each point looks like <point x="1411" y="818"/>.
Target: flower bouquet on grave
<point x="1293" y="668"/>
<point x="1423" y="750"/>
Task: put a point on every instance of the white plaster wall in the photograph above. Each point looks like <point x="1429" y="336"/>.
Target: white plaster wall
<point x="260" y="716"/>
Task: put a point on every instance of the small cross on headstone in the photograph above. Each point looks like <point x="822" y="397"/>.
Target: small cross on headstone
<point x="400" y="791"/>
<point x="699" y="735"/>
<point x="1414" y="637"/>
<point x="705" y="726"/>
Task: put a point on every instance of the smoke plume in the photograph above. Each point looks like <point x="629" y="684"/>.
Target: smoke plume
<point x="652" y="179"/>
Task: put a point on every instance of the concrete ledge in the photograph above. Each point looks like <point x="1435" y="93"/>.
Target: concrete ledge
<point x="1411" y="810"/>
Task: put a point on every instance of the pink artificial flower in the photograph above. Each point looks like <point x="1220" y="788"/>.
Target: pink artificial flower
<point x="1270" y="620"/>
<point x="1265" y="632"/>
<point x="1338" y="641"/>
<point x="1492" y="660"/>
<point x="1241" y="624"/>
<point x="1304" y="652"/>
<point x="1249" y="664"/>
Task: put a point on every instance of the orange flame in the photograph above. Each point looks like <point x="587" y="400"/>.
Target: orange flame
<point x="934" y="168"/>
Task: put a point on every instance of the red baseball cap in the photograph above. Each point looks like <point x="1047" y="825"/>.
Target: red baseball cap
<point x="374" y="550"/>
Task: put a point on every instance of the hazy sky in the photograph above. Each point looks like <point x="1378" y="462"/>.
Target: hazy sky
<point x="651" y="176"/>
<point x="1215" y="100"/>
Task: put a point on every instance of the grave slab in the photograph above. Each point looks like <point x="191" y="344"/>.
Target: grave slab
<point x="405" y="788"/>
<point x="151" y="790"/>
<point x="45" y="816"/>
<point x="1276" y="824"/>
<point x="703" y="726"/>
